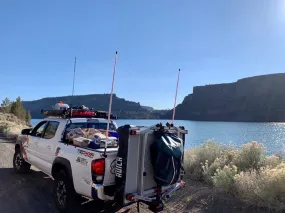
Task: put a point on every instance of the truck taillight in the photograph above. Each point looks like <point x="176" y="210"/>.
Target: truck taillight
<point x="98" y="166"/>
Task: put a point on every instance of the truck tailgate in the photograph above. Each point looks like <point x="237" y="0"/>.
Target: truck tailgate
<point x="110" y="166"/>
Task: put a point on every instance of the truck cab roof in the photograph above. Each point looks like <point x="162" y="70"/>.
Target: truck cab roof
<point x="103" y="121"/>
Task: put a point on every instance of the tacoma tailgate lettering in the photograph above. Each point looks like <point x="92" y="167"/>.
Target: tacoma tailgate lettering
<point x="85" y="153"/>
<point x="119" y="165"/>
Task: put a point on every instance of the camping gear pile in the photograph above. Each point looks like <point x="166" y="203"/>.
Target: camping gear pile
<point x="90" y="137"/>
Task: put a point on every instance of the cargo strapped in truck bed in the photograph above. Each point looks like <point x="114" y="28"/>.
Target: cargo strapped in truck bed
<point x="77" y="113"/>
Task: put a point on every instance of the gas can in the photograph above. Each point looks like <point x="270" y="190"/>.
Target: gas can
<point x="61" y="106"/>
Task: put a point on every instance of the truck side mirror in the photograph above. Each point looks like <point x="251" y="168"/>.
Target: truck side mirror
<point x="26" y="131"/>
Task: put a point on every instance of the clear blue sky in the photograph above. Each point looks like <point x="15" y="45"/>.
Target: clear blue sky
<point x="211" y="41"/>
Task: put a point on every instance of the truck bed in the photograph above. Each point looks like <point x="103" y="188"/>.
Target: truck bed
<point x="101" y="150"/>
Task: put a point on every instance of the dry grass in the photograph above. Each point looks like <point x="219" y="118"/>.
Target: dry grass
<point x="265" y="187"/>
<point x="252" y="156"/>
<point x="224" y="178"/>
<point x="206" y="154"/>
<point x="248" y="173"/>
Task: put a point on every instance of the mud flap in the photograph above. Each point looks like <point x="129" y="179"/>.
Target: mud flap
<point x="156" y="206"/>
<point x="121" y="164"/>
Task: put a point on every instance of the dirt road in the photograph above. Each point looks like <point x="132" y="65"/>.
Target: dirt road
<point x="22" y="193"/>
<point x="32" y="193"/>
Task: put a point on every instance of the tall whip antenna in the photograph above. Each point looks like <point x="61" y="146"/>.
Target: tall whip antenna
<point x="173" y="115"/>
<point x="110" y="104"/>
<point x="74" y="76"/>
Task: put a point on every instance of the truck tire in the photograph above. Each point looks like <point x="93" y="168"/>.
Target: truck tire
<point x="19" y="164"/>
<point x="64" y="194"/>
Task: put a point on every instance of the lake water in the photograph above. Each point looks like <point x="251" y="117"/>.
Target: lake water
<point x="272" y="135"/>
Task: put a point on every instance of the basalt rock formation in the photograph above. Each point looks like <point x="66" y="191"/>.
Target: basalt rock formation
<point x="253" y="99"/>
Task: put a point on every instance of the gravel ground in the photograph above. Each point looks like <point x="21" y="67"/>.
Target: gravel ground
<point x="31" y="193"/>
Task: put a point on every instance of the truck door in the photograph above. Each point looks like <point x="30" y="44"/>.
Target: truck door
<point x="31" y="146"/>
<point x="46" y="146"/>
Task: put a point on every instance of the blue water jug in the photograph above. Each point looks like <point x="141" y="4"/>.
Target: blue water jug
<point x="113" y="134"/>
<point x="94" y="145"/>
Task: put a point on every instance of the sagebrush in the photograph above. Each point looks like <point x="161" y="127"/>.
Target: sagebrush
<point x="249" y="172"/>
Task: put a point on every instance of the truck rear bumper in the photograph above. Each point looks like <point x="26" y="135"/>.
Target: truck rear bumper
<point x="99" y="188"/>
<point x="149" y="195"/>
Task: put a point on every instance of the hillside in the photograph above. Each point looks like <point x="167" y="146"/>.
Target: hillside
<point x="122" y="108"/>
<point x="10" y="125"/>
<point x="254" y="99"/>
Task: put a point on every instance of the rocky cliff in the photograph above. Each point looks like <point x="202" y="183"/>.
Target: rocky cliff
<point x="259" y="98"/>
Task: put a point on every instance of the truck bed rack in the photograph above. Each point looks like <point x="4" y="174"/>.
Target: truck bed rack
<point x="77" y="113"/>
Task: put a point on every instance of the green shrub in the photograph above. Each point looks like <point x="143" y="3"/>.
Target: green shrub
<point x="6" y="106"/>
<point x="224" y="178"/>
<point x="16" y="108"/>
<point x="251" y="156"/>
<point x="195" y="158"/>
<point x="28" y="117"/>
<point x="272" y="161"/>
<point x="227" y="157"/>
<point x="265" y="188"/>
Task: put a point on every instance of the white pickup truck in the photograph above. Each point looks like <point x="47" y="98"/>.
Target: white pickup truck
<point x="81" y="171"/>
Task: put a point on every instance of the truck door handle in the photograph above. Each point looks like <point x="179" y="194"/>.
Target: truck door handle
<point x="49" y="147"/>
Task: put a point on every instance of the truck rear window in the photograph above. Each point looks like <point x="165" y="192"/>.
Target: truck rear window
<point x="90" y="125"/>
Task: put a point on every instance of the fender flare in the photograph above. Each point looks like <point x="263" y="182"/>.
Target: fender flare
<point x="19" y="145"/>
<point x="60" y="162"/>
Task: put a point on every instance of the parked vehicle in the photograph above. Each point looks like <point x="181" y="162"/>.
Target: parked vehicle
<point x="122" y="171"/>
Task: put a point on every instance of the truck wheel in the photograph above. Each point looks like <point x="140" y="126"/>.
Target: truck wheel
<point x="19" y="164"/>
<point x="64" y="195"/>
